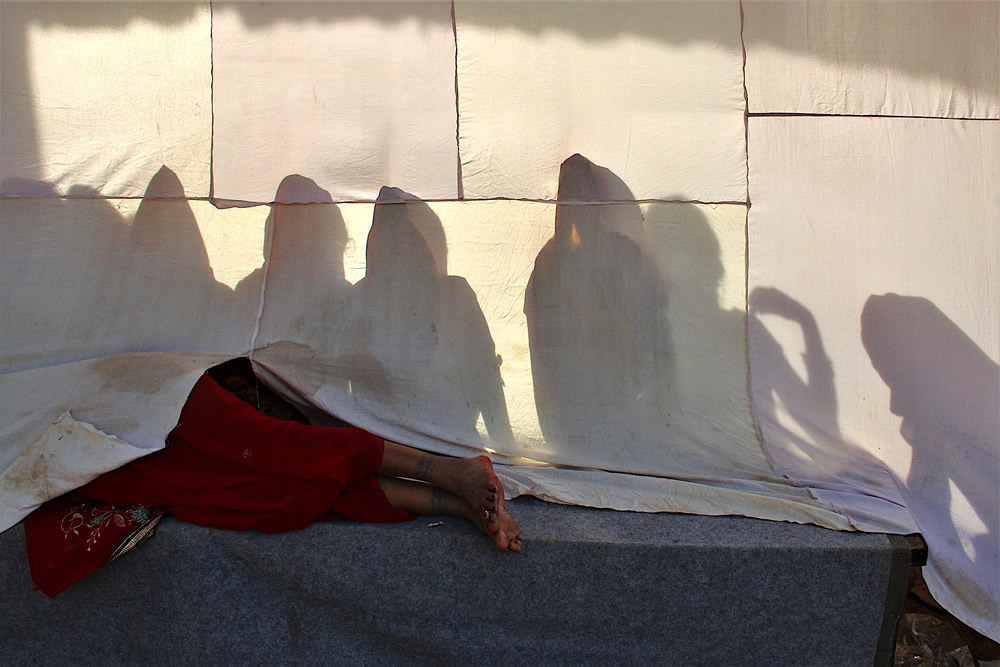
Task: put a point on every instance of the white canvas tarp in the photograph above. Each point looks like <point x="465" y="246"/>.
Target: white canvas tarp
<point x="875" y="373"/>
<point x="733" y="300"/>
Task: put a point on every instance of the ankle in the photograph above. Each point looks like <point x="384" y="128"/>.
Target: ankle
<point x="447" y="473"/>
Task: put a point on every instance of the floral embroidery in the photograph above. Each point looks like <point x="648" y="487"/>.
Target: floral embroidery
<point x="101" y="516"/>
<point x="139" y="513"/>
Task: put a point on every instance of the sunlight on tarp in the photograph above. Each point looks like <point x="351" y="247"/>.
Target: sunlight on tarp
<point x="589" y="292"/>
<point x="113" y="139"/>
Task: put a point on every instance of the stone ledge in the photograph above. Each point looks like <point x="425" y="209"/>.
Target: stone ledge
<point x="592" y="586"/>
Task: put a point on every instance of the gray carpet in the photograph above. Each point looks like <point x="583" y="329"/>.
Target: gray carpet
<point x="591" y="587"/>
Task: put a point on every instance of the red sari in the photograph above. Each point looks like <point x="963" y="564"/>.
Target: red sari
<point x="225" y="465"/>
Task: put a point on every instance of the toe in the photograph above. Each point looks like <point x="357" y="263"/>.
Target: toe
<point x="501" y="541"/>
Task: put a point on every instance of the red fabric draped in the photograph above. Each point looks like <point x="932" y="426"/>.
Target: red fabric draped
<point x="229" y="466"/>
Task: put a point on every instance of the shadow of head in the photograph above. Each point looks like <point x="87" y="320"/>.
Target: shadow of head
<point x="936" y="373"/>
<point x="310" y="227"/>
<point x="593" y="200"/>
<point x="406" y="239"/>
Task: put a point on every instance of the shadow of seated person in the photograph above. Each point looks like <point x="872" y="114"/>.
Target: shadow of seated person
<point x="63" y="264"/>
<point x="812" y="450"/>
<point x="946" y="390"/>
<point x="415" y="347"/>
<point x="174" y="302"/>
<point x="598" y="333"/>
<point x="306" y="291"/>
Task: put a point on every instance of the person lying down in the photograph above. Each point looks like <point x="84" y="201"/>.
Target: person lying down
<point x="231" y="466"/>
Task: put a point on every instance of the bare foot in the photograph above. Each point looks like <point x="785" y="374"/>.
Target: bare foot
<point x="500" y="527"/>
<point x="474" y="481"/>
<point x="507" y="527"/>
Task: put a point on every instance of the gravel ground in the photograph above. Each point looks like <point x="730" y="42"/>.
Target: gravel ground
<point x="929" y="636"/>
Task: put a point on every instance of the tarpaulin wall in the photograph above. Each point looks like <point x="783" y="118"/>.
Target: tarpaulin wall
<point x="768" y="287"/>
